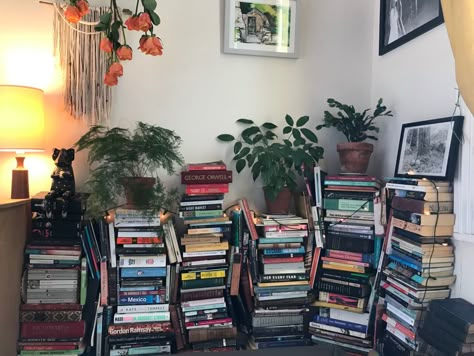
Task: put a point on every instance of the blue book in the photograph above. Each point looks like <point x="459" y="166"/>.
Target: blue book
<point x="281" y="289"/>
<point x="143" y="272"/>
<point x="394" y="256"/>
<point x="280" y="240"/>
<point x="283" y="251"/>
<point x="141" y="299"/>
<point x="340" y="324"/>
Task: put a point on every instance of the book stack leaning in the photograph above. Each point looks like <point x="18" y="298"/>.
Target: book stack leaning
<point x="54" y="282"/>
<point x="344" y="283"/>
<point x="281" y="284"/>
<point x="420" y="259"/>
<point x="141" y="323"/>
<point x="205" y="309"/>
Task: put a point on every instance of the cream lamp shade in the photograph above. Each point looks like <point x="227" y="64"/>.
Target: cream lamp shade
<point x="21" y="129"/>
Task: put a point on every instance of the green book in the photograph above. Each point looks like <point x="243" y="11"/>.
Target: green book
<point x="349" y="204"/>
<point x="83" y="295"/>
<point x="202" y="283"/>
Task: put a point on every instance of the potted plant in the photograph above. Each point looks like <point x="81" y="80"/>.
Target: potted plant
<point x="354" y="155"/>
<point x="124" y="164"/>
<point x="276" y="162"/>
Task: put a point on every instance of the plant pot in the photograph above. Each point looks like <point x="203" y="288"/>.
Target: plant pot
<point x="281" y="204"/>
<point x="354" y="156"/>
<point x="138" y="190"/>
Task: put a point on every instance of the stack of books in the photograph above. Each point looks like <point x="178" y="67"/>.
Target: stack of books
<point x="281" y="282"/>
<point x="449" y="327"/>
<point x="205" y="263"/>
<point x="142" y="322"/>
<point x="54" y="284"/>
<point x="344" y="284"/>
<point x="420" y="256"/>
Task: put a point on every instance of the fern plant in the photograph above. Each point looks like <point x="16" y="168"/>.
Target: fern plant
<point x="356" y="126"/>
<point x="116" y="154"/>
<point x="277" y="162"/>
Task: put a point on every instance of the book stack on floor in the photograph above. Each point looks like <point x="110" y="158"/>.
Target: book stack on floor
<point x="449" y="327"/>
<point x="205" y="266"/>
<point x="141" y="324"/>
<point x="281" y="282"/>
<point x="343" y="285"/>
<point x="54" y="283"/>
<point x="420" y="257"/>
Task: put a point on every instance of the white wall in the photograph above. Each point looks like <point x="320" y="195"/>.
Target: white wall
<point x="417" y="80"/>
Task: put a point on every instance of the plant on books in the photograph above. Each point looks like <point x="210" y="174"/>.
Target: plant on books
<point x="356" y="127"/>
<point x="124" y="164"/>
<point x="277" y="162"/>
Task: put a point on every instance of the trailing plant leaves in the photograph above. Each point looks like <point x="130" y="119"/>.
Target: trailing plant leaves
<point x="149" y="4"/>
<point x="289" y="120"/>
<point x="269" y="125"/>
<point x="245" y="121"/>
<point x="302" y="121"/>
<point x="240" y="165"/>
<point x="225" y="137"/>
<point x="154" y="18"/>
<point x="237" y="147"/>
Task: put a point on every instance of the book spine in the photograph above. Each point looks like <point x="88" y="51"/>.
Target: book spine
<point x="139" y="240"/>
<point x="341" y="324"/>
<point x="196" y="189"/>
<point x="203" y="275"/>
<point x="141" y="317"/>
<point x="47" y="316"/>
<point x="200" y="208"/>
<point x="283" y="277"/>
<point x="141" y="299"/>
<point x="141" y="328"/>
<point x="208" y="177"/>
<point x="342" y="289"/>
<point x="350" y="183"/>
<point x="143" y="272"/>
<point x="33" y="330"/>
<point x="349" y="205"/>
<point x="350" y="244"/>
<point x="143" y="261"/>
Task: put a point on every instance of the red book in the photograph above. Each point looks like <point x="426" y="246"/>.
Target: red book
<point x="207" y="188"/>
<point x="209" y="322"/>
<point x="280" y="227"/>
<point x="346" y="255"/>
<point x="49" y="347"/>
<point x="104" y="283"/>
<point x="53" y="330"/>
<point x="206" y="177"/>
<point x="244" y="205"/>
<point x="207" y="166"/>
<point x="139" y="240"/>
<point x="45" y="307"/>
<point x="270" y="260"/>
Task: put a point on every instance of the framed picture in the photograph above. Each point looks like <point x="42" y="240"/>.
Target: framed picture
<point x="261" y="27"/>
<point x="403" y="20"/>
<point x="429" y="149"/>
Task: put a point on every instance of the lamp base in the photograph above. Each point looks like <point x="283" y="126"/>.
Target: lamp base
<point x="20" y="186"/>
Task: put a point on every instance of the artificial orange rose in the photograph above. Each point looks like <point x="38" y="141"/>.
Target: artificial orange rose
<point x="116" y="69"/>
<point x="144" y="22"/>
<point x="72" y="14"/>
<point x="132" y="23"/>
<point x="83" y="7"/>
<point x="106" y="45"/>
<point x="110" y="80"/>
<point x="151" y="45"/>
<point x="124" y="53"/>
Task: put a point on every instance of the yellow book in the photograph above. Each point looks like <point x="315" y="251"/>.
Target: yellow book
<point x="199" y="240"/>
<point x="281" y="284"/>
<point x="337" y="306"/>
<point x="190" y="276"/>
<point x="205" y="220"/>
<point x="423" y="230"/>
<point x="343" y="267"/>
<point x="208" y="247"/>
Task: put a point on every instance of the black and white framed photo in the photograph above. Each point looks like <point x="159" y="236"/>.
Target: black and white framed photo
<point x="261" y="27"/>
<point x="403" y="20"/>
<point x="429" y="149"/>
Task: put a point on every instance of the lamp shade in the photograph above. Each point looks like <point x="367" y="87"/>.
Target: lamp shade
<point x="21" y="119"/>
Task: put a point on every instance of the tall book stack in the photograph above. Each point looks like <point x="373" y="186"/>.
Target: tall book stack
<point x="205" y="266"/>
<point x="54" y="282"/>
<point x="344" y="284"/>
<point x="420" y="257"/>
<point x="281" y="284"/>
<point x="141" y="324"/>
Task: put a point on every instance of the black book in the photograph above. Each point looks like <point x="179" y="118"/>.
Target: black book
<point x="351" y="244"/>
<point x="353" y="277"/>
<point x="394" y="347"/>
<point x="188" y="198"/>
<point x="77" y="204"/>
<point x="458" y="314"/>
<point x="351" y="195"/>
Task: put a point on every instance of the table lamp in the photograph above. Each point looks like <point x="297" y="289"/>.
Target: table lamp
<point x="21" y="130"/>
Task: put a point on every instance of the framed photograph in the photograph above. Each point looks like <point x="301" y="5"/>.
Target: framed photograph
<point x="404" y="20"/>
<point x="429" y="149"/>
<point x="261" y="27"/>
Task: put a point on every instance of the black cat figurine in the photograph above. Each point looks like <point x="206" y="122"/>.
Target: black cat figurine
<point x="63" y="184"/>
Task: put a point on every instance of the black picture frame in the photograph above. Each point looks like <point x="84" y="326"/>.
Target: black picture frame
<point x="413" y="18"/>
<point x="429" y="149"/>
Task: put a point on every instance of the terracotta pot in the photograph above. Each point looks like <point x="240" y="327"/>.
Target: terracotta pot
<point x="354" y="156"/>
<point x="281" y="204"/>
<point x="137" y="190"/>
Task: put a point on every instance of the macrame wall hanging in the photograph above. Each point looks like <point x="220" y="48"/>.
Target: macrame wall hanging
<point x="83" y="66"/>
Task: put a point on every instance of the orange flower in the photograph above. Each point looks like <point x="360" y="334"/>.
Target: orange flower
<point x="110" y="80"/>
<point x="106" y="45"/>
<point x="116" y="69"/>
<point x="124" y="53"/>
<point x="151" y="45"/>
<point x="132" y="23"/>
<point x="83" y="7"/>
<point x="72" y="14"/>
<point x="144" y="22"/>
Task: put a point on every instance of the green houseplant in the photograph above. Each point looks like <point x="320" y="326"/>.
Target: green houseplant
<point x="277" y="162"/>
<point x="124" y="164"/>
<point x="357" y="127"/>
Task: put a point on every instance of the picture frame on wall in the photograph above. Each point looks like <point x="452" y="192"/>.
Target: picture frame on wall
<point x="429" y="149"/>
<point x="403" y="20"/>
<point x="261" y="27"/>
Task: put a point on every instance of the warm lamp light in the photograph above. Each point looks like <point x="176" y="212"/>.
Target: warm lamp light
<point x="21" y="130"/>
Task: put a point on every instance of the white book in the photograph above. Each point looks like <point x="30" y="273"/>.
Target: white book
<point x="149" y="308"/>
<point x="338" y="330"/>
<point x="112" y="257"/>
<point x="356" y="318"/>
<point x="284" y="296"/>
<point x="210" y="301"/>
<point x="54" y="257"/>
<point x="137" y="233"/>
<point x="142" y="261"/>
<point x="204" y="253"/>
<point x="201" y="202"/>
<point x="141" y="317"/>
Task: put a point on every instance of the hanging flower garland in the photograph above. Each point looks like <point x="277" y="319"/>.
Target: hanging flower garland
<point x="115" y="42"/>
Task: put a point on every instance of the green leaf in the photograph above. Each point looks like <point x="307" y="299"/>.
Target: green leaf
<point x="225" y="138"/>
<point x="240" y="165"/>
<point x="256" y="169"/>
<point x="289" y="120"/>
<point x="106" y="19"/>
<point x="257" y="138"/>
<point x="237" y="147"/>
<point x="288" y="143"/>
<point x="154" y="18"/>
<point x="310" y="135"/>
<point x="297" y="134"/>
<point x="302" y="121"/>
<point x="244" y="152"/>
<point x="149" y="4"/>
<point x="100" y="27"/>
<point x="251" y="159"/>
<point x="287" y="129"/>
<point x="249" y="131"/>
<point x="245" y="121"/>
<point x="299" y="142"/>
<point x="269" y="126"/>
<point x="269" y="135"/>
